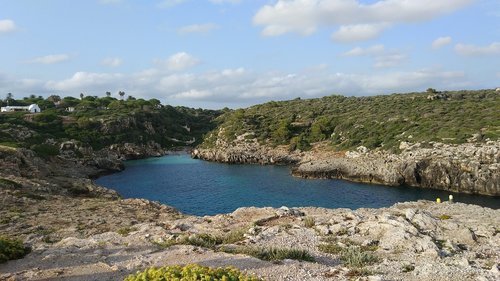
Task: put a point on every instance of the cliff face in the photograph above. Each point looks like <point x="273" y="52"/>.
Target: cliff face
<point x="467" y="168"/>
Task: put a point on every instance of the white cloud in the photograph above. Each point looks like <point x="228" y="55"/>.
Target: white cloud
<point x="383" y="58"/>
<point x="198" y="28"/>
<point x="7" y="26"/>
<point x="441" y="42"/>
<point x="88" y="82"/>
<point x="389" y="60"/>
<point x="366" y="20"/>
<point x="193" y="94"/>
<point x="225" y="1"/>
<point x="50" y="59"/>
<point x="236" y="87"/>
<point x="179" y="61"/>
<point x="112" y="62"/>
<point x="107" y="2"/>
<point x="165" y="4"/>
<point x="358" y="32"/>
<point x="473" y="50"/>
<point x="373" y="50"/>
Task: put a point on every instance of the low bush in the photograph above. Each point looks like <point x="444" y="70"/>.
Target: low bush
<point x="192" y="272"/>
<point x="11" y="249"/>
<point x="272" y="254"/>
<point x="355" y="257"/>
<point x="45" y="150"/>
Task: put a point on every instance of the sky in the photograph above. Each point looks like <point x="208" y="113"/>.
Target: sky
<point x="236" y="53"/>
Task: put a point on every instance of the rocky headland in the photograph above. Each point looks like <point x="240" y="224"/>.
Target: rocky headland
<point x="466" y="168"/>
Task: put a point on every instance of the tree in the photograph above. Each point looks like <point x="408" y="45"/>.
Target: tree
<point x="108" y="94"/>
<point x="54" y="98"/>
<point x="8" y="98"/>
<point x="431" y="91"/>
<point x="81" y="96"/>
<point x="122" y="94"/>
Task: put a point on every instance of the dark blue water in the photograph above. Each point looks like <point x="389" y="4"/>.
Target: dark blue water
<point x="205" y="188"/>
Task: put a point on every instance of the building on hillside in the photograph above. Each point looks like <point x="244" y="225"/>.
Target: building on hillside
<point x="34" y="108"/>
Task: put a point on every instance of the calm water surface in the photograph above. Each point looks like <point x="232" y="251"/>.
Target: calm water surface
<point x="205" y="188"/>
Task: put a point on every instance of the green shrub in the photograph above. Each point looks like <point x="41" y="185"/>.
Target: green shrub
<point x="234" y="236"/>
<point x="192" y="272"/>
<point x="45" y="150"/>
<point x="330" y="248"/>
<point x="355" y="257"/>
<point x="125" y="231"/>
<point x="272" y="253"/>
<point x="309" y="222"/>
<point x="11" y="249"/>
<point x="202" y="240"/>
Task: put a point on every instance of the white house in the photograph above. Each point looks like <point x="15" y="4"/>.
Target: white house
<point x="34" y="108"/>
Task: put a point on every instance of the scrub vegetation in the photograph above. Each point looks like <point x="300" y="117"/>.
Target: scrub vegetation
<point x="373" y="121"/>
<point x="102" y="121"/>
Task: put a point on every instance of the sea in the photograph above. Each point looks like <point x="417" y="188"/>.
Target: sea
<point x="201" y="188"/>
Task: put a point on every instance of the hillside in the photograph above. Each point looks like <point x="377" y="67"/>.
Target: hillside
<point x="101" y="122"/>
<point x="447" y="140"/>
<point x="374" y="122"/>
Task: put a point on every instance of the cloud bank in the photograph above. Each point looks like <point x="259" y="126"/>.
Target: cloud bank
<point x="356" y="21"/>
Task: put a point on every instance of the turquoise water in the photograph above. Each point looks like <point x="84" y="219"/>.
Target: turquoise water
<point x="205" y="188"/>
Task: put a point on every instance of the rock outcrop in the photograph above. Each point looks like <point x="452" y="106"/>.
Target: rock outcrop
<point x="467" y="168"/>
<point x="246" y="152"/>
<point x="97" y="239"/>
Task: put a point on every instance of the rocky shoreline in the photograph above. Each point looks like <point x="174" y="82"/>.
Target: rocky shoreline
<point x="467" y="168"/>
<point x="80" y="231"/>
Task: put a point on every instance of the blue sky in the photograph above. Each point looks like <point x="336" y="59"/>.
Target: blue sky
<point x="235" y="53"/>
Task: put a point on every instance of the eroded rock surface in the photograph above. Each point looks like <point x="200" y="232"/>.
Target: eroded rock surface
<point x="97" y="239"/>
<point x="467" y="168"/>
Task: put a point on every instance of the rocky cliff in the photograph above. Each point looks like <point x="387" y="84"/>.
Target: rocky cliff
<point x="97" y="239"/>
<point x="467" y="168"/>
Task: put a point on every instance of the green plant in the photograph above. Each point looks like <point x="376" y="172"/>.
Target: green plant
<point x="125" y="231"/>
<point x="12" y="249"/>
<point x="234" y="236"/>
<point x="330" y="248"/>
<point x="271" y="253"/>
<point x="354" y="257"/>
<point x="444" y="217"/>
<point x="309" y="222"/>
<point x="202" y="240"/>
<point x="408" y="268"/>
<point x="45" y="150"/>
<point x="192" y="272"/>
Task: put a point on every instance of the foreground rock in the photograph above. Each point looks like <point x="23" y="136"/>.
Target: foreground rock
<point x="96" y="239"/>
<point x="467" y="168"/>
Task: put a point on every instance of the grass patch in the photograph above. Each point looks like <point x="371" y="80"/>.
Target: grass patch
<point x="202" y="240"/>
<point x="272" y="253"/>
<point x="125" y="231"/>
<point x="330" y="248"/>
<point x="11" y="249"/>
<point x="235" y="235"/>
<point x="444" y="217"/>
<point x="309" y="222"/>
<point x="355" y="257"/>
